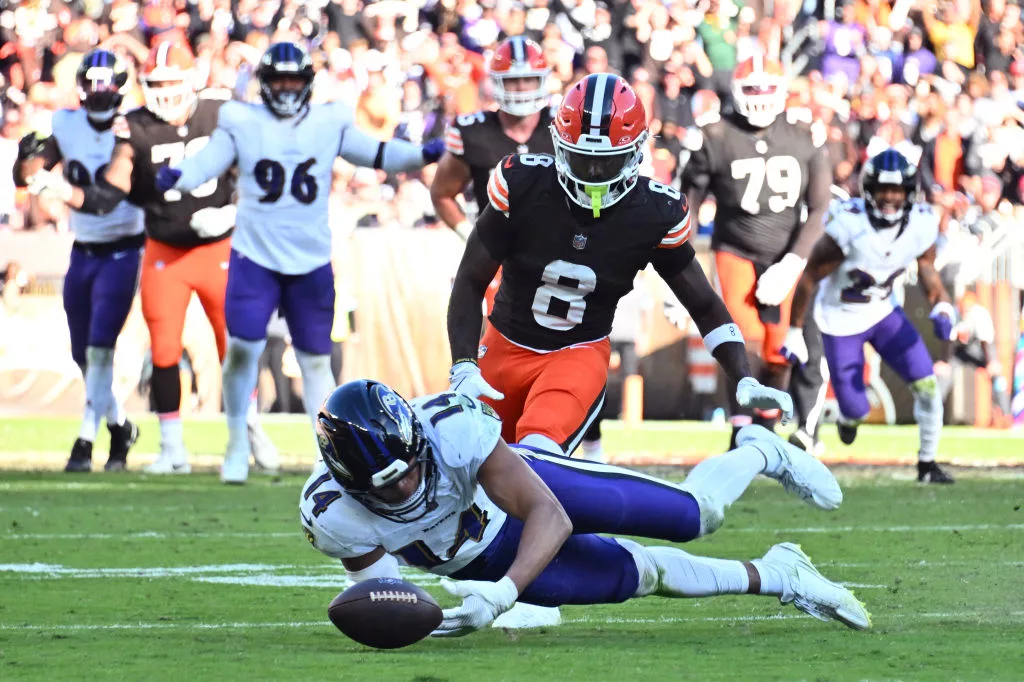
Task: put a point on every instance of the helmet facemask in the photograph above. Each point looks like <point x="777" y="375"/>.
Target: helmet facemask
<point x="170" y="98"/>
<point x="595" y="174"/>
<point x="759" y="98"/>
<point x="283" y="99"/>
<point x="886" y="213"/>
<point x="520" y="102"/>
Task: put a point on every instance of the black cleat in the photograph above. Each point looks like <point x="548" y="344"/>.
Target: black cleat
<point x="931" y="472"/>
<point x="81" y="457"/>
<point x="847" y="432"/>
<point x="802" y="440"/>
<point x="122" y="438"/>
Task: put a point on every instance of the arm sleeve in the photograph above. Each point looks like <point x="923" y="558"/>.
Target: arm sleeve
<point x="453" y="140"/>
<point x="212" y="161"/>
<point x="100" y="197"/>
<point x="494" y="231"/>
<point x="670" y="262"/>
<point x="819" y="194"/>
<point x="394" y="156"/>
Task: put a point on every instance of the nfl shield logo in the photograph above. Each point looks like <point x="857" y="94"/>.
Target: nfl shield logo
<point x="579" y="242"/>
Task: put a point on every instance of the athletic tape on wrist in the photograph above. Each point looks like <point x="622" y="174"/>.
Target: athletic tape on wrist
<point x="727" y="333"/>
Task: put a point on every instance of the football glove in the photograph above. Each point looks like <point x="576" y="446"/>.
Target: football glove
<point x="213" y="222"/>
<point x="777" y="281"/>
<point x="30" y="146"/>
<point x="50" y="184"/>
<point x="942" y="320"/>
<point x="794" y="349"/>
<point x="166" y="178"/>
<point x="433" y="150"/>
<point x="465" y="378"/>
<point x="750" y="393"/>
<point x="482" y="602"/>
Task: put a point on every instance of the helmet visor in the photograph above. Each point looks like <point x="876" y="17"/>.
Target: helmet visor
<point x="597" y="168"/>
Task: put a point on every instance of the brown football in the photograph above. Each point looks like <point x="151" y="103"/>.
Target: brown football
<point x="385" y="613"/>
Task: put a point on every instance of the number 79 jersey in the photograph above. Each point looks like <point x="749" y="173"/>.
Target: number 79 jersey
<point x="859" y="293"/>
<point x="462" y="433"/>
<point x="563" y="270"/>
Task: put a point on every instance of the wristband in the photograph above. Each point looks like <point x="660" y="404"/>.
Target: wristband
<point x="727" y="333"/>
<point x="473" y="360"/>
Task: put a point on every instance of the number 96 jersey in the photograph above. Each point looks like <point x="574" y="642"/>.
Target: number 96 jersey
<point x="563" y="270"/>
<point x="859" y="293"/>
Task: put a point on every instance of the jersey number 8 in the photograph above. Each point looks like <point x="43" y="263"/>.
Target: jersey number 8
<point x="173" y="153"/>
<point x="270" y="176"/>
<point x="782" y="174"/>
<point x="560" y="301"/>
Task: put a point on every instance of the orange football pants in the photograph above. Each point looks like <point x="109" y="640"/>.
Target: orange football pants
<point x="556" y="394"/>
<point x="737" y="280"/>
<point x="169" y="276"/>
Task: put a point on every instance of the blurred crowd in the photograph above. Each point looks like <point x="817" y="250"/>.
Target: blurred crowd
<point x="942" y="81"/>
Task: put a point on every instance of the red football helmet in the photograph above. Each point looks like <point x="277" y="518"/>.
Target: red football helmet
<point x="514" y="59"/>
<point x="169" y="80"/>
<point x="599" y="134"/>
<point x="759" y="90"/>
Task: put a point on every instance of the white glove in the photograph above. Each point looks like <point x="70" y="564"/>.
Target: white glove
<point x="794" y="349"/>
<point x="464" y="229"/>
<point x="750" y="393"/>
<point x="465" y="378"/>
<point x="50" y="183"/>
<point x="777" y="281"/>
<point x="482" y="602"/>
<point x="213" y="222"/>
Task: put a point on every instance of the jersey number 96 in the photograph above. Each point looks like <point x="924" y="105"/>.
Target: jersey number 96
<point x="271" y="176"/>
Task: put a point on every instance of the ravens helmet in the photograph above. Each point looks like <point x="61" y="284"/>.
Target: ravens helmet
<point x="370" y="439"/>
<point x="286" y="75"/>
<point x="101" y="79"/>
<point x="885" y="171"/>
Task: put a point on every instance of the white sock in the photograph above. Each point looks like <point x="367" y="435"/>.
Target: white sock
<point x="928" y="414"/>
<point x="725" y="477"/>
<point x="317" y="381"/>
<point x="240" y="374"/>
<point x="592" y="451"/>
<point x="99" y="382"/>
<point x="671" y="572"/>
<point x="116" y="415"/>
<point x="252" y="414"/>
<point x="773" y="582"/>
<point x="171" y="436"/>
<point x="90" y="424"/>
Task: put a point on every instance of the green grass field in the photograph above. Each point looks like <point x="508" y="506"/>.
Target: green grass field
<point x="128" y="577"/>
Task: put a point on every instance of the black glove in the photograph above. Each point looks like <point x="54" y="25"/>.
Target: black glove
<point x="31" y="146"/>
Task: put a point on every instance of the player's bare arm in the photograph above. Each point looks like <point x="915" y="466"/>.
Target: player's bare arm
<point x="928" y="276"/>
<point x="694" y="291"/>
<point x="450" y="179"/>
<point x="520" y="492"/>
<point x="825" y="258"/>
<point x="475" y="272"/>
<point x="818" y="197"/>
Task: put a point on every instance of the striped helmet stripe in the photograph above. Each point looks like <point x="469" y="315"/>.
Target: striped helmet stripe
<point x="518" y="50"/>
<point x="597" y="103"/>
<point x="162" y="53"/>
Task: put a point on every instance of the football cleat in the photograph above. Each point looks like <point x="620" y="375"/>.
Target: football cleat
<point x="235" y="469"/>
<point x="170" y="461"/>
<point x="800" y="473"/>
<point x="522" y="616"/>
<point x="122" y="438"/>
<point x="814" y="594"/>
<point x="802" y="440"/>
<point x="847" y="432"/>
<point x="931" y="472"/>
<point x="264" y="452"/>
<point x="80" y="460"/>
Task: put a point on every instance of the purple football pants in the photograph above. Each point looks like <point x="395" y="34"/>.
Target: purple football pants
<point x="99" y="288"/>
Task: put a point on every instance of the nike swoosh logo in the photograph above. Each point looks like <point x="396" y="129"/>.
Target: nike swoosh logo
<point x="118" y="255"/>
<point x="308" y="522"/>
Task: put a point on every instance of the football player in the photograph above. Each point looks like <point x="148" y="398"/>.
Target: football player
<point x="433" y="485"/>
<point x="868" y="243"/>
<point x="187" y="233"/>
<point x="476" y="142"/>
<point x="100" y="283"/>
<point x="284" y="149"/>
<point x="771" y="183"/>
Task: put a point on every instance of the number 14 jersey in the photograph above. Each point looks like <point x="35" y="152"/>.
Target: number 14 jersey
<point x="563" y="270"/>
<point x="858" y="293"/>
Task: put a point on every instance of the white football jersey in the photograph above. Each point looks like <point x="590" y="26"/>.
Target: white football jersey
<point x="284" y="168"/>
<point x="462" y="433"/>
<point x="86" y="153"/>
<point x="859" y="293"/>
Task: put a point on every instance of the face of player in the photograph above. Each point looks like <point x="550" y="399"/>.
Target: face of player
<point x="402" y="489"/>
<point x="283" y="84"/>
<point x="521" y="84"/>
<point x="889" y="199"/>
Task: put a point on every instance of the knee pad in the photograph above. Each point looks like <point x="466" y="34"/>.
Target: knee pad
<point x="927" y="398"/>
<point x="927" y="387"/>
<point x="712" y="511"/>
<point x="242" y="353"/>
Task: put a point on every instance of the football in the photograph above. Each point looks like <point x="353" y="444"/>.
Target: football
<point x="385" y="613"/>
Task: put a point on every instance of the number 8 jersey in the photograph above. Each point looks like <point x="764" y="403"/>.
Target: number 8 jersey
<point x="859" y="293"/>
<point x="563" y="270"/>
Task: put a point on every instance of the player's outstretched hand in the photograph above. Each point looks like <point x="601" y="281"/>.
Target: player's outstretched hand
<point x="482" y="602"/>
<point x="942" y="316"/>
<point x="166" y="178"/>
<point x="213" y="221"/>
<point x="49" y="183"/>
<point x="750" y="393"/>
<point x="794" y="349"/>
<point x="433" y="150"/>
<point x="30" y="146"/>
<point x="464" y="377"/>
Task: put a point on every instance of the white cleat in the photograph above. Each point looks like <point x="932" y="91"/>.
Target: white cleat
<point x="522" y="616"/>
<point x="235" y="469"/>
<point x="264" y="452"/>
<point x="169" y="462"/>
<point x="814" y="594"/>
<point x="801" y="473"/>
